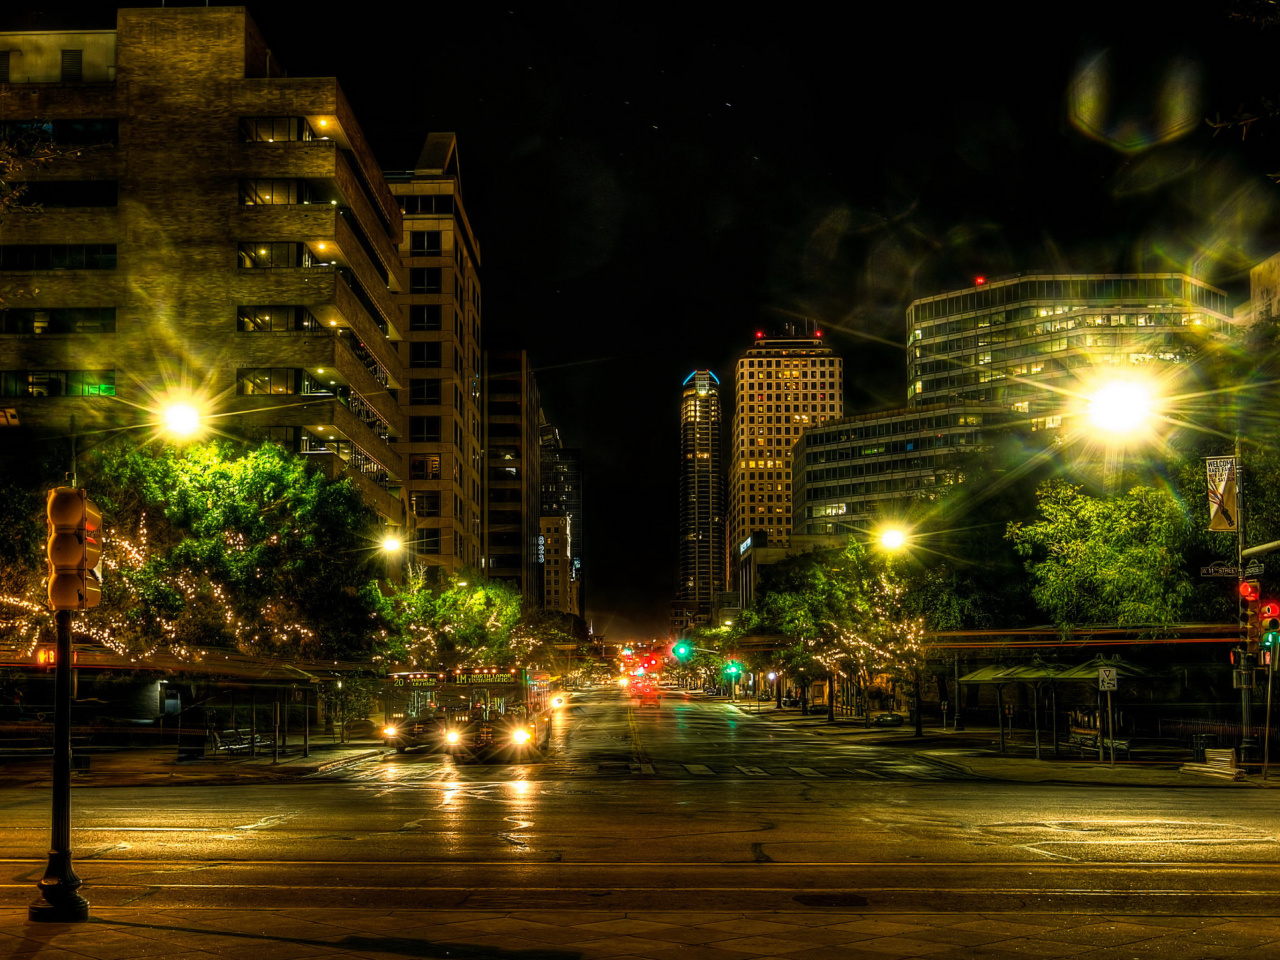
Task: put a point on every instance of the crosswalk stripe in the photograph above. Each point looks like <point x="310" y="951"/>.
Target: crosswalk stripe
<point x="699" y="770"/>
<point x="807" y="772"/>
<point x="869" y="773"/>
<point x="753" y="771"/>
<point x="642" y="768"/>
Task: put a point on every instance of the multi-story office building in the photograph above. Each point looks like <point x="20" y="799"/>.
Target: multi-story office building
<point x="560" y="583"/>
<point x="511" y="452"/>
<point x="1032" y="341"/>
<point x="847" y="470"/>
<point x="1015" y="353"/>
<point x="783" y="386"/>
<point x="229" y="235"/>
<point x="561" y="482"/>
<point x="440" y="353"/>
<point x="701" y="532"/>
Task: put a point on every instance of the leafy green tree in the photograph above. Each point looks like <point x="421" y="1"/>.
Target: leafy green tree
<point x="1114" y="560"/>
<point x="457" y="620"/>
<point x="221" y="545"/>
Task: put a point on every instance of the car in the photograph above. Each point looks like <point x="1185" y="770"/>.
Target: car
<point x="887" y="720"/>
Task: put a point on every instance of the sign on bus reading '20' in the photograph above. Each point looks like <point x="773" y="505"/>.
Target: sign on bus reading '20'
<point x="465" y="676"/>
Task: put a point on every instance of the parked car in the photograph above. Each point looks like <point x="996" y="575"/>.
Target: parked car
<point x="887" y="720"/>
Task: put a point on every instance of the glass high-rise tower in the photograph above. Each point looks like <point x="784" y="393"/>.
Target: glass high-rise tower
<point x="701" y="535"/>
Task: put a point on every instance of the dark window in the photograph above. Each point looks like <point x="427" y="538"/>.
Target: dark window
<point x="428" y="541"/>
<point x="70" y="193"/>
<point x="72" y="66"/>
<point x="428" y="203"/>
<point x="4" y="66"/>
<point x="425" y="243"/>
<point x="274" y="129"/>
<point x="58" y="383"/>
<point x="424" y="391"/>
<point x="274" y="318"/>
<point x="425" y="354"/>
<point x="425" y="316"/>
<point x="426" y="504"/>
<point x="58" y="320"/>
<point x="58" y="256"/>
<point x="425" y="279"/>
<point x="424" y="429"/>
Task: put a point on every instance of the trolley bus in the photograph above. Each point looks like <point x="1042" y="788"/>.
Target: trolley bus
<point x="478" y="713"/>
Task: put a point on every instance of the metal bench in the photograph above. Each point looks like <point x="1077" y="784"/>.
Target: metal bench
<point x="229" y="741"/>
<point x="1217" y="763"/>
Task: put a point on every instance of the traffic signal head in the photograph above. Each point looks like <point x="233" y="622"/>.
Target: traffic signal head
<point x="1250" y="591"/>
<point x="1269" y="625"/>
<point x="682" y="651"/>
<point x="72" y="551"/>
<point x="733" y="668"/>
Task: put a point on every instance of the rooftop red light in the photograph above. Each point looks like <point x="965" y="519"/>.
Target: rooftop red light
<point x="979" y="281"/>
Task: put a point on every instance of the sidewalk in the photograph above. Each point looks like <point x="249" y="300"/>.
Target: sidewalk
<point x="151" y="766"/>
<point x="299" y="933"/>
<point x="975" y="751"/>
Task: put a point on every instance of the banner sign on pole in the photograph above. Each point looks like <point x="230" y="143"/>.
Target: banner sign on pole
<point x="1224" y="514"/>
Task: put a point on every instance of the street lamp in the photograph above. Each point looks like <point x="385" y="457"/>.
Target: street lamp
<point x="892" y="538"/>
<point x="181" y="420"/>
<point x="1121" y="407"/>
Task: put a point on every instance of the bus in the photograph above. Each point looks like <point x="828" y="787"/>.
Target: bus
<point x="477" y="713"/>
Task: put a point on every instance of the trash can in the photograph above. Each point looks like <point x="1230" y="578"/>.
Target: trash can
<point x="1201" y="742"/>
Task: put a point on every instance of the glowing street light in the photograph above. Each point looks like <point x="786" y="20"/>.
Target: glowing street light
<point x="892" y="538"/>
<point x="391" y="543"/>
<point x="1122" y="407"/>
<point x="181" y="420"/>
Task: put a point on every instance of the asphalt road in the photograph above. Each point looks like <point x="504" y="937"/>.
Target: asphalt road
<point x="691" y="804"/>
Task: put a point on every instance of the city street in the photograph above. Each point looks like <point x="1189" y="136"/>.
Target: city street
<point x="692" y="804"/>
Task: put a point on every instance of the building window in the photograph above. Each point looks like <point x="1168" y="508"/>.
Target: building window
<point x="426" y="504"/>
<point x="58" y="320"/>
<point x="424" y="391"/>
<point x="425" y="243"/>
<point x="426" y="279"/>
<point x="58" y="256"/>
<point x="428" y="541"/>
<point x="265" y="255"/>
<point x="259" y="380"/>
<point x="60" y="194"/>
<point x="72" y="66"/>
<point x="58" y="383"/>
<point x="274" y="319"/>
<point x="255" y="192"/>
<point x="424" y="429"/>
<point x="272" y="129"/>
<point x="427" y="203"/>
<point x="425" y="316"/>
<point x="4" y="66"/>
<point x="424" y="468"/>
<point x="425" y="354"/>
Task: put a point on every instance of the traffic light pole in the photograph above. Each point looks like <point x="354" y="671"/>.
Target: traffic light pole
<point x="59" y="888"/>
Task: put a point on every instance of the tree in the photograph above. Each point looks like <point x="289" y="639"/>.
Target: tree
<point x="1115" y="560"/>
<point x="220" y="545"/>
<point x="455" y="621"/>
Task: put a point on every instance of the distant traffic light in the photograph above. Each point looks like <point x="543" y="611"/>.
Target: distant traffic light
<point x="733" y="668"/>
<point x="71" y="551"/>
<point x="682" y="651"/>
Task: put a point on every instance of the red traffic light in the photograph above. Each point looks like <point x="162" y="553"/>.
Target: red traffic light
<point x="1269" y="609"/>
<point x="1249" y="590"/>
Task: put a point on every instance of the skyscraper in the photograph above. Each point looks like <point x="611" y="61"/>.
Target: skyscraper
<point x="441" y="357"/>
<point x="783" y="386"/>
<point x="701" y="501"/>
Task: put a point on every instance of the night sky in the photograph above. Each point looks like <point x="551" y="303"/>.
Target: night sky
<point x="652" y="184"/>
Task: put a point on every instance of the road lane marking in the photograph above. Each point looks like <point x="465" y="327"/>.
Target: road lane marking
<point x="753" y="771"/>
<point x="808" y="772"/>
<point x="699" y="770"/>
<point x="147" y="829"/>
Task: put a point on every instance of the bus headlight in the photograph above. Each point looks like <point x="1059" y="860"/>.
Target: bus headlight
<point x="451" y="736"/>
<point x="389" y="731"/>
<point x="520" y="736"/>
<point x="557" y="701"/>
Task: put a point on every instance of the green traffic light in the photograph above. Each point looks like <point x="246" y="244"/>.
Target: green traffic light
<point x="1271" y="639"/>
